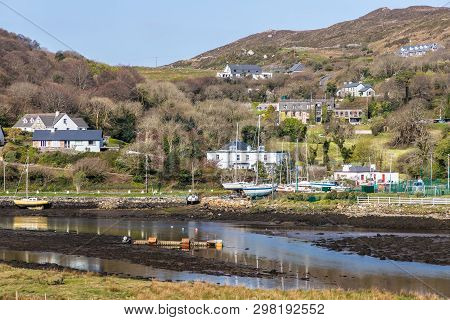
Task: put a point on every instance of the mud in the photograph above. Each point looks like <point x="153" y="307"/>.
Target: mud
<point x="111" y="247"/>
<point x="430" y="249"/>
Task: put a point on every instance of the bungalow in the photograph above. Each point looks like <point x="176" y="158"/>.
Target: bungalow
<point x="244" y="157"/>
<point x="242" y="71"/>
<point x="356" y="89"/>
<point x="68" y="140"/>
<point x="2" y="137"/>
<point x="50" y="121"/>
<point x="365" y="174"/>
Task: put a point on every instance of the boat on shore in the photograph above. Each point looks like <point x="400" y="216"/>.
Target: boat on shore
<point x="259" y="190"/>
<point x="235" y="186"/>
<point x="27" y="202"/>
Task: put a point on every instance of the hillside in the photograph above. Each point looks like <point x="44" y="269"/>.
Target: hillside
<point x="383" y="30"/>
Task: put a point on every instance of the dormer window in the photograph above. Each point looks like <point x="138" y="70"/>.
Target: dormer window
<point x="31" y="120"/>
<point x="25" y="120"/>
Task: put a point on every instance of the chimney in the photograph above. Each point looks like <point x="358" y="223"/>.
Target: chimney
<point x="56" y="113"/>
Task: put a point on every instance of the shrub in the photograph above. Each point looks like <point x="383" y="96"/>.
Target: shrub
<point x="95" y="169"/>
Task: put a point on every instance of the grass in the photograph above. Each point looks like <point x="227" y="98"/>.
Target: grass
<point x="51" y="284"/>
<point x="174" y="74"/>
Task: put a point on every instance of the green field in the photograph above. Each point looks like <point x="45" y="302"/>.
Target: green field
<point x="173" y="74"/>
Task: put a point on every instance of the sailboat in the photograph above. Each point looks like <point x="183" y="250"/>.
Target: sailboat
<point x="27" y="202"/>
<point x="258" y="190"/>
<point x="235" y="185"/>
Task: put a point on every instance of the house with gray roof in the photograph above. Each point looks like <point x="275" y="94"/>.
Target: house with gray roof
<point x="417" y="50"/>
<point x="50" y="121"/>
<point x="356" y="89"/>
<point x="68" y="140"/>
<point x="238" y="154"/>
<point x="2" y="137"/>
<point x="232" y="71"/>
<point x="298" y="67"/>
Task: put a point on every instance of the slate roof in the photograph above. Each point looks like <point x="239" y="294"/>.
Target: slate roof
<point x="419" y="47"/>
<point x="67" y="135"/>
<point x="245" y="68"/>
<point x="298" y="67"/>
<point x="80" y="122"/>
<point x="242" y="146"/>
<point x="355" y="84"/>
<point x="360" y="169"/>
<point x="48" y="119"/>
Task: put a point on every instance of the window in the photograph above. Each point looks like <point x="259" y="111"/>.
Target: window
<point x="247" y="157"/>
<point x="43" y="143"/>
<point x="91" y="142"/>
<point x="265" y="157"/>
<point x="25" y="120"/>
<point x="65" y="121"/>
<point x="217" y="157"/>
<point x="66" y="144"/>
<point x="238" y="157"/>
<point x="31" y="120"/>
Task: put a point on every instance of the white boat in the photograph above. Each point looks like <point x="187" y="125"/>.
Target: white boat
<point x="236" y="186"/>
<point x="259" y="190"/>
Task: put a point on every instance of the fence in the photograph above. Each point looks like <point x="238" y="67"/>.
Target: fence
<point x="400" y="200"/>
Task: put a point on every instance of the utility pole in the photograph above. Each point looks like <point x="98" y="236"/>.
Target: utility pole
<point x="282" y="158"/>
<point x="146" y="173"/>
<point x="448" y="171"/>
<point x="156" y="62"/>
<point x="390" y="173"/>
<point x="4" y="175"/>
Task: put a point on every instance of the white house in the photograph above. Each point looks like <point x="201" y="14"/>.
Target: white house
<point x="243" y="70"/>
<point x="50" y="121"/>
<point x="244" y="158"/>
<point x="68" y="140"/>
<point x="356" y="89"/>
<point x="418" y="49"/>
<point x="364" y="174"/>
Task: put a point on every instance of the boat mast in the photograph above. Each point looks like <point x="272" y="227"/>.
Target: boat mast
<point x="235" y="152"/>
<point x="282" y="158"/>
<point x="307" y="162"/>
<point x="257" y="150"/>
<point x="192" y="172"/>
<point x="26" y="181"/>
<point x="296" y="166"/>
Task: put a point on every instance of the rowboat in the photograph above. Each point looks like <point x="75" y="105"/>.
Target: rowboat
<point x="31" y="203"/>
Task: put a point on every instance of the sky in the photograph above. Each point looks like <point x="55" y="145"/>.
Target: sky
<point x="134" y="32"/>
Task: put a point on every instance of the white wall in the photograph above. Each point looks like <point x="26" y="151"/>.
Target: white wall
<point x="65" y="123"/>
<point x="227" y="159"/>
<point x="361" y="177"/>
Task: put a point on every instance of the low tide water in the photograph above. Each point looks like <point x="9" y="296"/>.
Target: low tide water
<point x="287" y="250"/>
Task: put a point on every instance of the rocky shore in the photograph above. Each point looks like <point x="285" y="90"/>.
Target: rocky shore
<point x="105" y="203"/>
<point x="249" y="212"/>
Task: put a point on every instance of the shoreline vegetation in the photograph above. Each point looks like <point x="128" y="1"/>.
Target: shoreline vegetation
<point x="53" y="284"/>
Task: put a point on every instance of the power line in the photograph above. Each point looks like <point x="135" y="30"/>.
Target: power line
<point x="37" y="26"/>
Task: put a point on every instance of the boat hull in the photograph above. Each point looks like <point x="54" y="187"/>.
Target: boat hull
<point x="31" y="204"/>
<point x="236" y="186"/>
<point x="259" y="191"/>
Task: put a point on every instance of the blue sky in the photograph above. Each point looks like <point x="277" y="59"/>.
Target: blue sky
<point x="133" y="32"/>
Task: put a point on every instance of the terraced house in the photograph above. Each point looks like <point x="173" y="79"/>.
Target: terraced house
<point x="243" y="70"/>
<point x="50" y="121"/>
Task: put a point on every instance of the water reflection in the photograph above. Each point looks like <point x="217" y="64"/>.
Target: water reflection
<point x="288" y="251"/>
